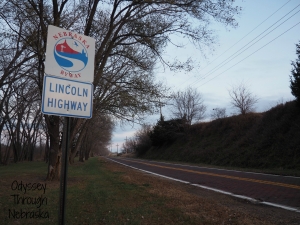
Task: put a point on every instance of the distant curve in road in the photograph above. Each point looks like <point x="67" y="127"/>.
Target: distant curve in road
<point x="274" y="190"/>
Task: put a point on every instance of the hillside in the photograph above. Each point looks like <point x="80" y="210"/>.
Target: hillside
<point x="257" y="140"/>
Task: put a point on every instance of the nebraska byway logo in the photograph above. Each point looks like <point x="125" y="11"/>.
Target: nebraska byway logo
<point x="70" y="55"/>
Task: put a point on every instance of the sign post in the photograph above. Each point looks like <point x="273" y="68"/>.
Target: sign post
<point x="68" y="88"/>
<point x="64" y="171"/>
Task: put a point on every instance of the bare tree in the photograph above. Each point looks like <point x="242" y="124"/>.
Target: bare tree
<point x="129" y="145"/>
<point x="97" y="136"/>
<point x="188" y="105"/>
<point x="218" y="113"/>
<point x="130" y="37"/>
<point x="242" y="98"/>
<point x="141" y="141"/>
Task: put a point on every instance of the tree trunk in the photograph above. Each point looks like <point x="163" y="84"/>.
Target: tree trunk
<point x="87" y="154"/>
<point x="72" y="155"/>
<point x="1" y="129"/>
<point x="55" y="150"/>
<point x="7" y="152"/>
<point x="47" y="149"/>
<point x="0" y="151"/>
<point x="77" y="148"/>
<point x="81" y="155"/>
<point x="16" y="150"/>
<point x="75" y="124"/>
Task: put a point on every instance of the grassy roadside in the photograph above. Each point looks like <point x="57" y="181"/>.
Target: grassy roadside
<point x="95" y="195"/>
<point x="102" y="192"/>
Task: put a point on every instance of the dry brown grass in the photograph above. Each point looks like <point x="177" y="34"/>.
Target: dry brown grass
<point x="203" y="205"/>
<point x="102" y="192"/>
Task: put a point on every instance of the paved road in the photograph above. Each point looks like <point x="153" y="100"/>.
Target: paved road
<point x="280" y="191"/>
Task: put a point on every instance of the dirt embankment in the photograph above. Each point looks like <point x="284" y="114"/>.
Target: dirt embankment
<point x="268" y="140"/>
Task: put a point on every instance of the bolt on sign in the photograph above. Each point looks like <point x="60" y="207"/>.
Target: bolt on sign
<point x="69" y="55"/>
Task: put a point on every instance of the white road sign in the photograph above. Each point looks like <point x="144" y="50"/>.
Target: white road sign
<point x="69" y="55"/>
<point x="63" y="97"/>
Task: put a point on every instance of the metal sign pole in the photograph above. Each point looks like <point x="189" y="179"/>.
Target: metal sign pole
<point x="69" y="94"/>
<point x="64" y="171"/>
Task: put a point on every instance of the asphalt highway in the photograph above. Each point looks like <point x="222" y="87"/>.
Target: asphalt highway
<point x="278" y="191"/>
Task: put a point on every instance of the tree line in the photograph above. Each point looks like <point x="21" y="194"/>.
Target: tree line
<point x="188" y="107"/>
<point x="131" y="37"/>
<point x="130" y="40"/>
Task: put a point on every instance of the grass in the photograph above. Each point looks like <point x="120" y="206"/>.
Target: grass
<point x="26" y="173"/>
<point x="102" y="192"/>
<point x="95" y="195"/>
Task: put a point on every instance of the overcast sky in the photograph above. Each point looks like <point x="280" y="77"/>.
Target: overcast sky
<point x="258" y="53"/>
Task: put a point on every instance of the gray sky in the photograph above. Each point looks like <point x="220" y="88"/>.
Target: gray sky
<point x="258" y="53"/>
